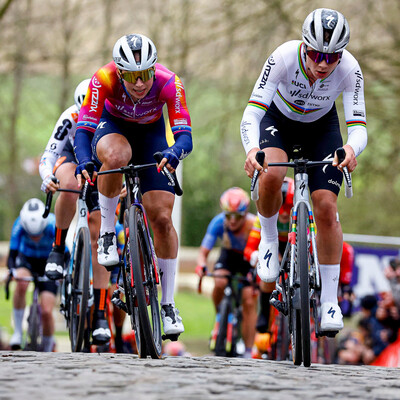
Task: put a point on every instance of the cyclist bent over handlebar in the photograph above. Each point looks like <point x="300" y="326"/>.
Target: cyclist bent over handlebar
<point x="121" y="120"/>
<point x="293" y="103"/>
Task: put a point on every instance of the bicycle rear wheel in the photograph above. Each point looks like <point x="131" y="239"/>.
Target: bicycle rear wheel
<point x="145" y="284"/>
<point x="79" y="289"/>
<point x="302" y="270"/>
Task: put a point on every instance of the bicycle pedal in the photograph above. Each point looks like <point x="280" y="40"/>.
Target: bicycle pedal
<point x="173" y="337"/>
<point x="329" y="334"/>
<point x="120" y="304"/>
<point x="279" y="305"/>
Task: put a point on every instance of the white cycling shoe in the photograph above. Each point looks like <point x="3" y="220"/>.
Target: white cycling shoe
<point x="15" y="341"/>
<point x="171" y="320"/>
<point x="331" y="317"/>
<point x="107" y="253"/>
<point x="268" y="261"/>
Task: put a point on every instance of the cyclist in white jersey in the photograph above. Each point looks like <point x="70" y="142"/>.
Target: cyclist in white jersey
<point x="58" y="161"/>
<point x="293" y="104"/>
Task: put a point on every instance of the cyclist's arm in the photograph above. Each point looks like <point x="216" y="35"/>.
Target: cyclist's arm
<point x="89" y="117"/>
<point x="203" y="256"/>
<point x="173" y="93"/>
<point x="15" y="241"/>
<point x="264" y="90"/>
<point x="355" y="114"/>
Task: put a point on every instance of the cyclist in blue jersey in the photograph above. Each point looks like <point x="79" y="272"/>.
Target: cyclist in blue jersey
<point x="232" y="226"/>
<point x="293" y="104"/>
<point x="30" y="244"/>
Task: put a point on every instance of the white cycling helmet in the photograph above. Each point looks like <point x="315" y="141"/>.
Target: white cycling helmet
<point x="80" y="92"/>
<point x="125" y="47"/>
<point x="326" y="30"/>
<point x="31" y="217"/>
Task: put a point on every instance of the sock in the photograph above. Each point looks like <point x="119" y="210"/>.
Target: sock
<point x="48" y="343"/>
<point x="60" y="236"/>
<point x="269" y="230"/>
<point x="265" y="308"/>
<point x="329" y="282"/>
<point x="18" y="314"/>
<point x="167" y="272"/>
<point x="107" y="208"/>
<point x="100" y="296"/>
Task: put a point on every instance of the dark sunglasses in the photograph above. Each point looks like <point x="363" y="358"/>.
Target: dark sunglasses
<point x="317" y="56"/>
<point x="234" y="215"/>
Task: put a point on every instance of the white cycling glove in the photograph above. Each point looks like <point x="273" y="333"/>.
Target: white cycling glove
<point x="46" y="181"/>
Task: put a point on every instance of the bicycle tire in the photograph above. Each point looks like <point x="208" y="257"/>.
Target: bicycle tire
<point x="130" y="291"/>
<point x="145" y="284"/>
<point x="79" y="289"/>
<point x="34" y="328"/>
<point x="302" y="269"/>
<point x="221" y="341"/>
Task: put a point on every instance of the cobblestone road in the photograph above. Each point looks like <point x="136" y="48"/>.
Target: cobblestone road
<point x="55" y="376"/>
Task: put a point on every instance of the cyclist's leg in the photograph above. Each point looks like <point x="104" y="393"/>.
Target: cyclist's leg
<point x="270" y="196"/>
<point x="64" y="210"/>
<point x="111" y="150"/>
<point x="219" y="283"/>
<point x="23" y="270"/>
<point x="47" y="303"/>
<point x="101" y="278"/>
<point x="324" y="186"/>
<point x="47" y="297"/>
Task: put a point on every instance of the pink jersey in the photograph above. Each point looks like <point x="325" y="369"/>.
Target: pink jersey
<point x="105" y="90"/>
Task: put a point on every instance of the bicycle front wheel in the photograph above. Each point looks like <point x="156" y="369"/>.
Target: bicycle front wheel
<point x="34" y="328"/>
<point x="143" y="269"/>
<point x="303" y="274"/>
<point x="79" y="289"/>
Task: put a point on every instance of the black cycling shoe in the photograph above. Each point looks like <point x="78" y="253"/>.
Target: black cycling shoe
<point x="101" y="332"/>
<point x="55" y="264"/>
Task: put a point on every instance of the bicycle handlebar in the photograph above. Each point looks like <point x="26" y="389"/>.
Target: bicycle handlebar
<point x="303" y="163"/>
<point x="173" y="180"/>
<point x="49" y="199"/>
<point x="230" y="277"/>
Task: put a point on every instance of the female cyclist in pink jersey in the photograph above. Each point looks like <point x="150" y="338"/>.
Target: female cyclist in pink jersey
<point x="121" y="122"/>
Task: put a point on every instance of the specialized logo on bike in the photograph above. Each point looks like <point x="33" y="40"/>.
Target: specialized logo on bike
<point x="332" y="311"/>
<point x="267" y="257"/>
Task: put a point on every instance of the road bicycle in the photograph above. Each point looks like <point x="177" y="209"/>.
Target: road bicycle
<point x="298" y="282"/>
<point x="138" y="268"/>
<point x="77" y="286"/>
<point x="226" y="332"/>
<point x="33" y="339"/>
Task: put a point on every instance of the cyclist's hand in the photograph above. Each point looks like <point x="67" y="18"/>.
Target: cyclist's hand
<point x="123" y="193"/>
<point x="350" y="160"/>
<point x="170" y="160"/>
<point x="201" y="270"/>
<point x="82" y="173"/>
<point x="50" y="184"/>
<point x="254" y="258"/>
<point x="251" y="163"/>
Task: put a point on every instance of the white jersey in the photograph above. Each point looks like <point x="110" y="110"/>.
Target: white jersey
<point x="64" y="130"/>
<point x="284" y="81"/>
